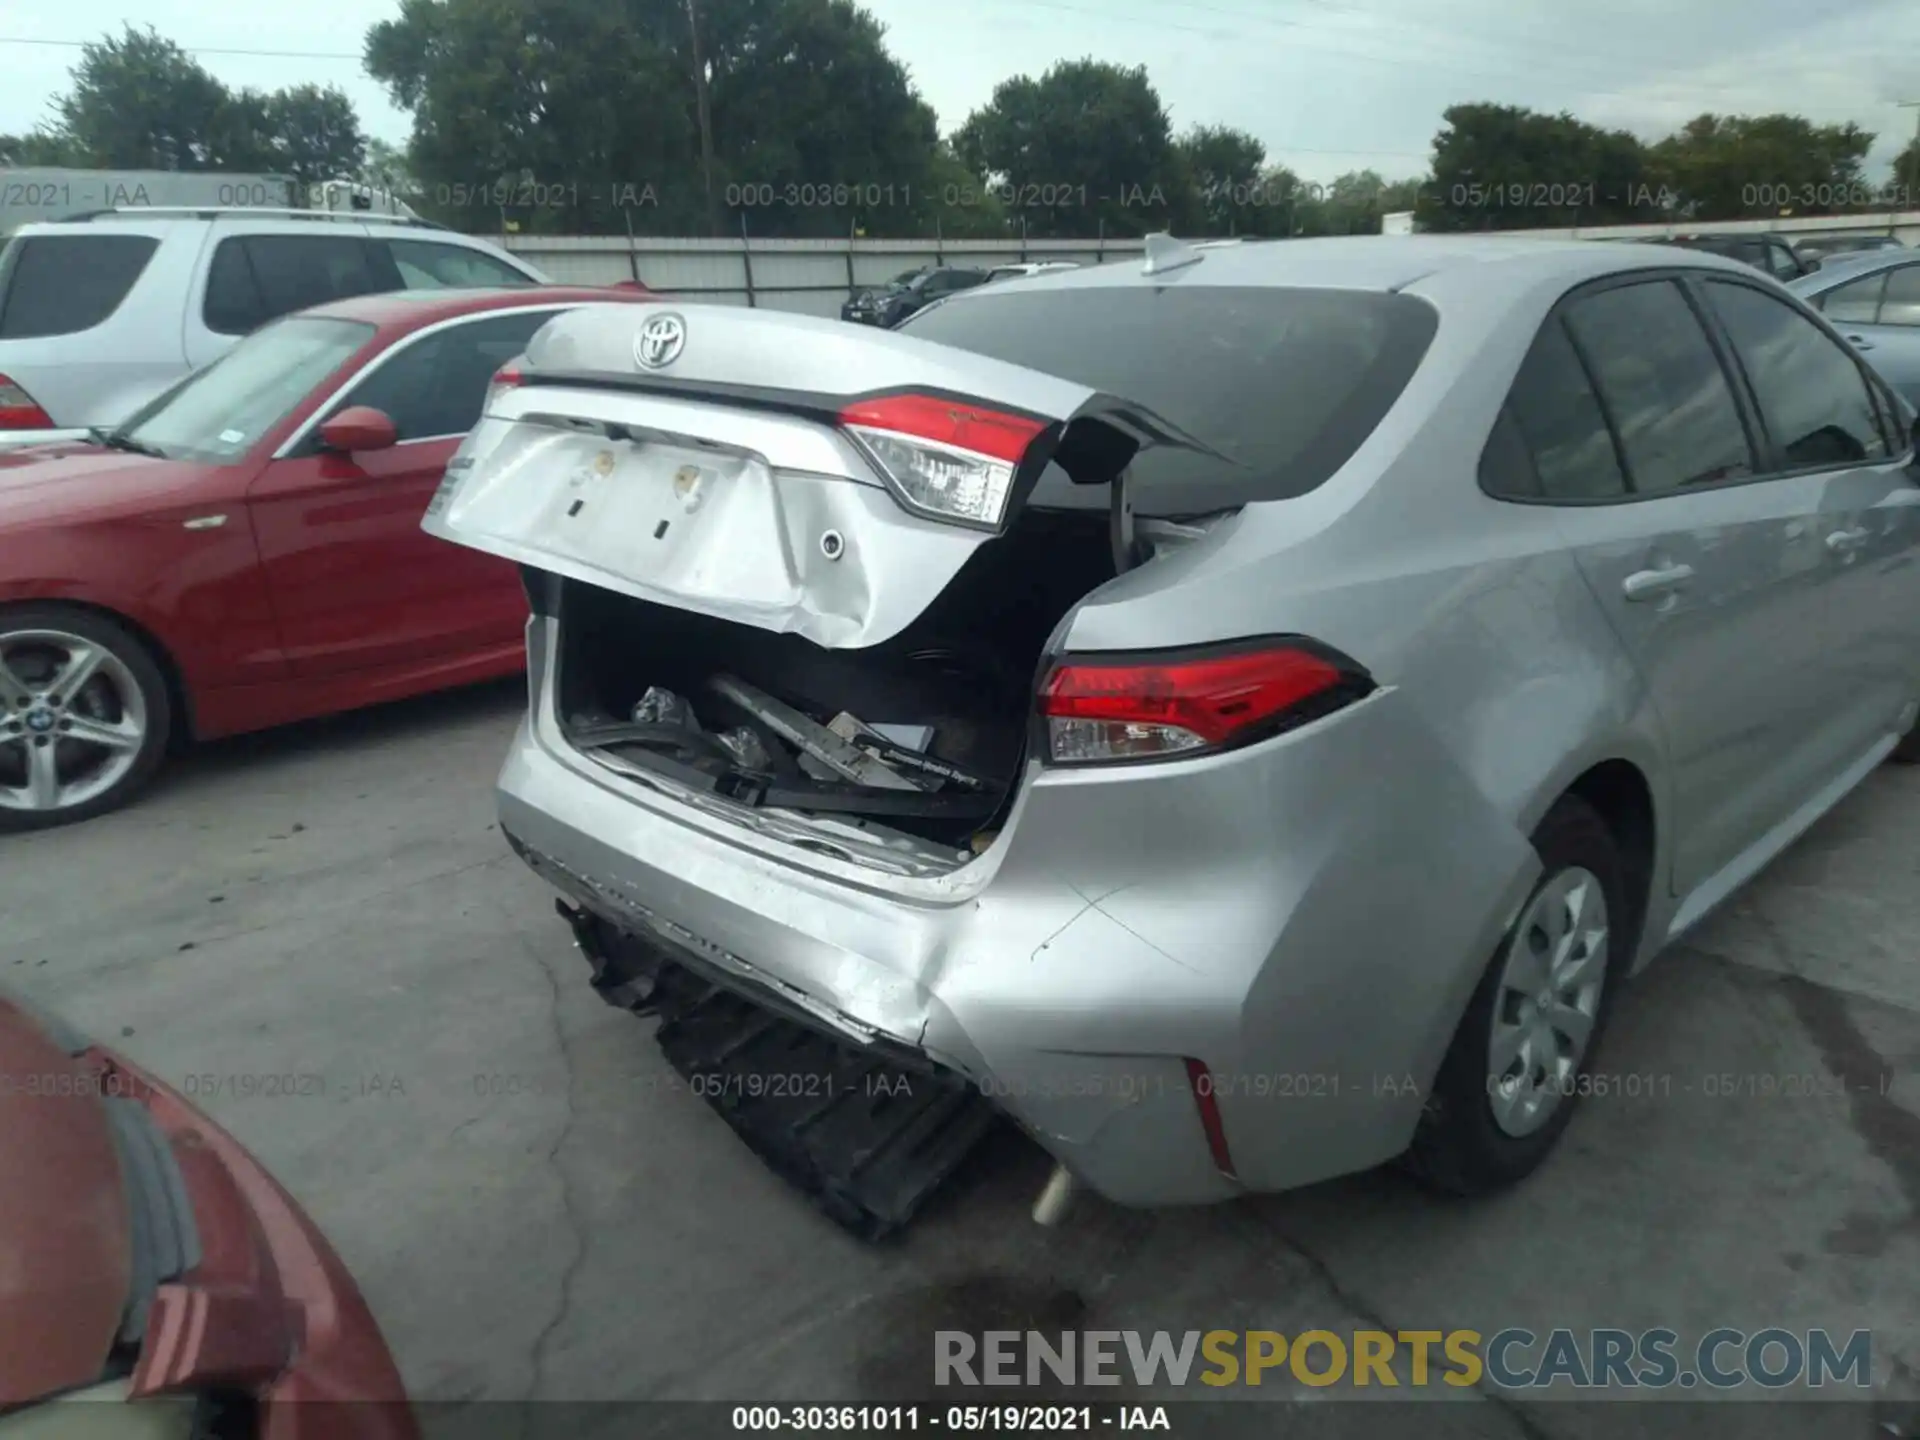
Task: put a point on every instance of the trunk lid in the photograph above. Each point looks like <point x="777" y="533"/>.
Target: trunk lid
<point x="775" y="470"/>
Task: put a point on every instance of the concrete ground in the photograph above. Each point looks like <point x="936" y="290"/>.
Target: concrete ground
<point x="534" y="1210"/>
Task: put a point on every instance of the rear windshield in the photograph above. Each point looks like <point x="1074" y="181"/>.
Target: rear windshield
<point x="1286" y="383"/>
<point x="63" y="284"/>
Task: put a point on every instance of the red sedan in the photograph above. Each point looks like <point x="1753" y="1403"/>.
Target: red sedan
<point x="152" y="1262"/>
<point x="246" y="550"/>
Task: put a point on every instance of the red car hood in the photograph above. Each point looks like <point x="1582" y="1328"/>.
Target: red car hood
<point x="65" y="1231"/>
<point x="52" y="482"/>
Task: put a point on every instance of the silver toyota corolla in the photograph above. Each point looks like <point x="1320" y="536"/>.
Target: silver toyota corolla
<point x="1241" y="714"/>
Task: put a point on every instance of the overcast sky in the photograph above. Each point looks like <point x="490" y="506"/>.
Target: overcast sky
<point x="1328" y="85"/>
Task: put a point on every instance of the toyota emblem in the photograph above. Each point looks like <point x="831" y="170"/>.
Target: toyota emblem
<point x="660" y="342"/>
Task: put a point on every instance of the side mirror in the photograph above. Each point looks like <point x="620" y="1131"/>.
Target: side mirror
<point x="358" y="428"/>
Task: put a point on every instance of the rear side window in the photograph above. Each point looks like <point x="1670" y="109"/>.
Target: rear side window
<point x="1901" y="303"/>
<point x="430" y="265"/>
<point x="1552" y="442"/>
<point x="1812" y="396"/>
<point x="436" y="385"/>
<point x="1855" y="303"/>
<point x="1284" y="383"/>
<point x="256" y="278"/>
<point x="64" y="284"/>
<point x="1662" y="385"/>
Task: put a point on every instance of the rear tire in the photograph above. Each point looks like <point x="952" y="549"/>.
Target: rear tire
<point x="69" y="752"/>
<point x="1483" y="1131"/>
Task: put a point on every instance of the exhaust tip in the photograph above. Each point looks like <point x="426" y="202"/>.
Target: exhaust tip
<point x="1056" y="1197"/>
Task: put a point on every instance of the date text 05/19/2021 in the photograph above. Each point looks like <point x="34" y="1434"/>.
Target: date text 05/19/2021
<point x="959" y="1419"/>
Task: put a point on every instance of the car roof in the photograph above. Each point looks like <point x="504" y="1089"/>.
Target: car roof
<point x="406" y="310"/>
<point x="1381" y="262"/>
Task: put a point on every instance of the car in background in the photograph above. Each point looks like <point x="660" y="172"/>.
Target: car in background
<point x="907" y="294"/>
<point x="101" y="312"/>
<point x="245" y="550"/>
<point x="1768" y="253"/>
<point x="159" y="1283"/>
<point x="1873" y="299"/>
<point x="1334" y="658"/>
<point x="1031" y="267"/>
<point x="1827" y="247"/>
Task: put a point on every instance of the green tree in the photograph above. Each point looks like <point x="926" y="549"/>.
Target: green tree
<point x="812" y="114"/>
<point x="592" y="109"/>
<point x="1287" y="206"/>
<point x="1906" y="176"/>
<point x="1730" y="167"/>
<point x="1353" y="203"/>
<point x="37" y="147"/>
<point x="964" y="205"/>
<point x="140" y="102"/>
<point x="1223" y="168"/>
<point x="1086" y="145"/>
<point x="1503" y="167"/>
<point x="313" y="133"/>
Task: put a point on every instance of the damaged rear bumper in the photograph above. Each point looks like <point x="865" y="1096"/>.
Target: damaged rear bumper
<point x="1254" y="912"/>
<point x="810" y="950"/>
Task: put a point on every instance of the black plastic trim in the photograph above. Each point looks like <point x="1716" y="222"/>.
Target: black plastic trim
<point x="164" y="1240"/>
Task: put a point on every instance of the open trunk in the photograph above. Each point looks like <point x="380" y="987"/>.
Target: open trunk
<point x="954" y="687"/>
<point x="800" y="566"/>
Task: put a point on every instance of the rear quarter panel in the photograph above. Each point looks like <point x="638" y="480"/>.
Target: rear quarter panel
<point x="102" y="375"/>
<point x="1503" y="679"/>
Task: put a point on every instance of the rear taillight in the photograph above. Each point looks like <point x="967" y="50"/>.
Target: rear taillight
<point x="19" y="410"/>
<point x="506" y="378"/>
<point x="1146" y="707"/>
<point x="948" y="458"/>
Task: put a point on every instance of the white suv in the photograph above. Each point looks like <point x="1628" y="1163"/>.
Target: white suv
<point x="99" y="313"/>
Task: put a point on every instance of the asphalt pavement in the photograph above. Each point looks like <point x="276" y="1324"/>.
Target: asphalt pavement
<point x="535" y="1209"/>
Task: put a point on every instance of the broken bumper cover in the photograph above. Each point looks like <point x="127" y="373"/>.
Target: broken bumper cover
<point x="1127" y="1125"/>
<point x="1252" y="911"/>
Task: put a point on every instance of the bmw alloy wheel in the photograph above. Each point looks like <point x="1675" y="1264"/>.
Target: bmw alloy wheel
<point x="73" y="720"/>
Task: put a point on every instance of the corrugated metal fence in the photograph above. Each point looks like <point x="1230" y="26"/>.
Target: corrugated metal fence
<point x="816" y="276"/>
<point x="1902" y="225"/>
<point x="813" y="277"/>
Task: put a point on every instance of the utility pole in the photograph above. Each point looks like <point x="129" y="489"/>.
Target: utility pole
<point x="706" y="117"/>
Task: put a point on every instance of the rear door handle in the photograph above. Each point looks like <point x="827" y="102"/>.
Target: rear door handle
<point x="1860" y="342"/>
<point x="1652" y="584"/>
<point x="1842" y="542"/>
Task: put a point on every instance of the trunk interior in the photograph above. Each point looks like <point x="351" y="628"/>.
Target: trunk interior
<point x="965" y="668"/>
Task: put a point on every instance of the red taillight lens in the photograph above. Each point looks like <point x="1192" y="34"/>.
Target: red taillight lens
<point x="19" y="410"/>
<point x="504" y="379"/>
<point x="1201" y="1080"/>
<point x="949" y="458"/>
<point x="1143" y="709"/>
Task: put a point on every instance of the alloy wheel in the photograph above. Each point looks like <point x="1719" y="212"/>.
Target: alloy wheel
<point x="73" y="720"/>
<point x="1547" y="1000"/>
